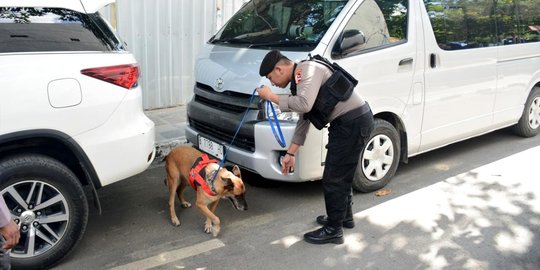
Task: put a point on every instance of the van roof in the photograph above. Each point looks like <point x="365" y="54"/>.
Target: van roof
<point x="87" y="6"/>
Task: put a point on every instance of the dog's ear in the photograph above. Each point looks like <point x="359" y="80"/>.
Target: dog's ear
<point x="236" y="171"/>
<point x="227" y="183"/>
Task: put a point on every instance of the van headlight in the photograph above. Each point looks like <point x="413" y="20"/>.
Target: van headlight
<point x="282" y="116"/>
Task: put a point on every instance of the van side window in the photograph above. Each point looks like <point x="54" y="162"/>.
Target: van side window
<point x="463" y="24"/>
<point x="375" y="24"/>
<point x="518" y="22"/>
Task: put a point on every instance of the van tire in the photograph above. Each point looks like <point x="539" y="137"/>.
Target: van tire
<point x="379" y="159"/>
<point x="529" y="123"/>
<point x="49" y="181"/>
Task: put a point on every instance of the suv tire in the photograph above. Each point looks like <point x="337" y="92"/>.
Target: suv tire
<point x="47" y="201"/>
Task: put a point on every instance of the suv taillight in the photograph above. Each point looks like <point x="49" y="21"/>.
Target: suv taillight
<point x="122" y="75"/>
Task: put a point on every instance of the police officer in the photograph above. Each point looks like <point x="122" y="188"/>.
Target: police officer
<point x="351" y="122"/>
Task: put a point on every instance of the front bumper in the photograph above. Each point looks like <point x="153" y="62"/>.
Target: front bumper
<point x="264" y="159"/>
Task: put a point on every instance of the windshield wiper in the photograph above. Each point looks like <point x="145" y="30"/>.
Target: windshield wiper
<point x="283" y="44"/>
<point x="230" y="41"/>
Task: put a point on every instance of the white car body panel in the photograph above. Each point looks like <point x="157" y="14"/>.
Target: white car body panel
<point x="120" y="147"/>
<point x="517" y="71"/>
<point x="99" y="99"/>
<point x="116" y="135"/>
<point x="464" y="79"/>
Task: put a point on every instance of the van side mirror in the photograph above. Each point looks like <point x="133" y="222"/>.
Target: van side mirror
<point x="349" y="41"/>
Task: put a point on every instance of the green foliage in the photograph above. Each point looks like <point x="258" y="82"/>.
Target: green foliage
<point x="486" y="22"/>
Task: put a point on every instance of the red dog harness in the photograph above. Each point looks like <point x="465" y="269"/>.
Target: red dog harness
<point x="197" y="175"/>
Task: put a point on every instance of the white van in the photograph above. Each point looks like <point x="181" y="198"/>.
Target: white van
<point x="434" y="73"/>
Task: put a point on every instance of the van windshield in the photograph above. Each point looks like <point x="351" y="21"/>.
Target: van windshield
<point x="293" y="24"/>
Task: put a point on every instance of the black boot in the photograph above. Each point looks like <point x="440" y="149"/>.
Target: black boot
<point x="347" y="222"/>
<point x="324" y="235"/>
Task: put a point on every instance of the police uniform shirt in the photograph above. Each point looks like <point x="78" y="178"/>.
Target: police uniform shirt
<point x="309" y="76"/>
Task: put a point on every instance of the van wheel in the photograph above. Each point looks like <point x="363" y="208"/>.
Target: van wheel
<point x="379" y="158"/>
<point x="49" y="205"/>
<point x="529" y="123"/>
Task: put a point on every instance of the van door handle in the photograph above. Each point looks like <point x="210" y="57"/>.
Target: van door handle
<point x="406" y="61"/>
<point x="432" y="60"/>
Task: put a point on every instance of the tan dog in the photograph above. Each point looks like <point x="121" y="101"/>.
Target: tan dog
<point x="227" y="184"/>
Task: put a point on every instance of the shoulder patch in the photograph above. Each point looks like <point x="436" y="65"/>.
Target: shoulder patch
<point x="298" y="75"/>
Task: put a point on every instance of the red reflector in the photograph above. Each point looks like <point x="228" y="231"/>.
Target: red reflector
<point x="122" y="75"/>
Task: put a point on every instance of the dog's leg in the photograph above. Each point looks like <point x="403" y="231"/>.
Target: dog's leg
<point x="208" y="224"/>
<point x="180" y="193"/>
<point x="213" y="206"/>
<point x="172" y="183"/>
<point x="212" y="223"/>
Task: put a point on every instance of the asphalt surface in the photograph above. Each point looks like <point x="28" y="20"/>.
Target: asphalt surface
<point x="471" y="205"/>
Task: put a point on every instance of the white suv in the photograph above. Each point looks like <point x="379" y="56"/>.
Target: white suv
<point x="71" y="120"/>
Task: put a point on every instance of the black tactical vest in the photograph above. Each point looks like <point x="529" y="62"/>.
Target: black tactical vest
<point x="339" y="87"/>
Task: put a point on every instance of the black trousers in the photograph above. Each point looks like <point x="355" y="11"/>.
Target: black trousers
<point x="345" y="143"/>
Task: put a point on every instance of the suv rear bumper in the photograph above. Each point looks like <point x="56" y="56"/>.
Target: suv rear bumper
<point x="123" y="146"/>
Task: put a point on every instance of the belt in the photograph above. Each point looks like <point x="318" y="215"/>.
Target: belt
<point x="352" y="114"/>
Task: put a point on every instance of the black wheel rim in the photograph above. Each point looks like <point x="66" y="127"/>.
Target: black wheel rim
<point x="42" y="214"/>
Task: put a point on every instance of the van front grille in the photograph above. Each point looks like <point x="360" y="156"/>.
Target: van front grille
<point x="243" y="142"/>
<point x="218" y="105"/>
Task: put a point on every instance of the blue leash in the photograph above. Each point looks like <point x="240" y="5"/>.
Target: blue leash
<point x="280" y="140"/>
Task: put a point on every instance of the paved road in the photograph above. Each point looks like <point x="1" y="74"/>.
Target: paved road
<point x="471" y="205"/>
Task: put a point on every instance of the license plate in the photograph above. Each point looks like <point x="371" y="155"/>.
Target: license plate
<point x="213" y="148"/>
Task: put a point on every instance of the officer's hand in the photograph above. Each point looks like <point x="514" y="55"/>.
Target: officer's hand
<point x="287" y="164"/>
<point x="11" y="234"/>
<point x="264" y="92"/>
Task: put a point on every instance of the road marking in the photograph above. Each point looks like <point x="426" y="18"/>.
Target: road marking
<point x="171" y="256"/>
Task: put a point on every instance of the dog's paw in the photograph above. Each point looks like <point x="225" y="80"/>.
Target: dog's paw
<point x="215" y="230"/>
<point x="208" y="227"/>
<point x="175" y="221"/>
<point x="185" y="205"/>
<point x="212" y="227"/>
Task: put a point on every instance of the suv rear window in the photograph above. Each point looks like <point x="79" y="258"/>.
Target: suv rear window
<point x="54" y="29"/>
